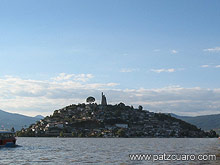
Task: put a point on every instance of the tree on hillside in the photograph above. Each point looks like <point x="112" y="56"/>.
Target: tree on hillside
<point x="12" y="129"/>
<point x="61" y="134"/>
<point x="90" y="99"/>
<point x="140" y="107"/>
<point x="121" y="132"/>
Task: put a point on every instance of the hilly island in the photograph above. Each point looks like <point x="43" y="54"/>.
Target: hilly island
<point x="105" y="120"/>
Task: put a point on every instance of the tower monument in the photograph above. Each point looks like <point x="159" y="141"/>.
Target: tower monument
<point x="104" y="101"/>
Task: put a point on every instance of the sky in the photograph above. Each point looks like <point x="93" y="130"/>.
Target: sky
<point x="163" y="55"/>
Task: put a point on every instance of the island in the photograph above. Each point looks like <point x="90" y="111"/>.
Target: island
<point x="105" y="120"/>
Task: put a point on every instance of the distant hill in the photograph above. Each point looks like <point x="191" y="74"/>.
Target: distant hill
<point x="205" y="122"/>
<point x="39" y="117"/>
<point x="9" y="120"/>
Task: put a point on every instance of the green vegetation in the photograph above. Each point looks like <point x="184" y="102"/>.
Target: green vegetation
<point x="61" y="134"/>
<point x="121" y="132"/>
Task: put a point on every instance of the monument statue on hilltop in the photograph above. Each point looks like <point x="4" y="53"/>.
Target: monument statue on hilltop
<point x="104" y="101"/>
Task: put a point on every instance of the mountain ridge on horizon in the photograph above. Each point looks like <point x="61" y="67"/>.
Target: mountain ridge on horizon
<point x="205" y="122"/>
<point x="9" y="120"/>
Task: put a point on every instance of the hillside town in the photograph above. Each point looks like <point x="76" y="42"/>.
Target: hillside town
<point x="105" y="120"/>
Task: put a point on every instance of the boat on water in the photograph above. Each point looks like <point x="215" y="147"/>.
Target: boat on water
<point x="7" y="139"/>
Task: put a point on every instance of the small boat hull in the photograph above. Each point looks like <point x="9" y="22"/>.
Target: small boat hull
<point x="7" y="139"/>
<point x="8" y="143"/>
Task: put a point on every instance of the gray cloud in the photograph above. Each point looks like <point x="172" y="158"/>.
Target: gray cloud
<point x="33" y="96"/>
<point x="212" y="50"/>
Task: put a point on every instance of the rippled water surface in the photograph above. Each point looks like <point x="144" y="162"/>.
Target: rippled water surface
<point x="104" y="150"/>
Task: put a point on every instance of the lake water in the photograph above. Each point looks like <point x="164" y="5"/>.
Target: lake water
<point x="105" y="150"/>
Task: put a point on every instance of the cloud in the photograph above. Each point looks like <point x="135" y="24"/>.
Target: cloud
<point x="212" y="50"/>
<point x="76" y="77"/>
<point x="210" y="66"/>
<point x="34" y="97"/>
<point x="175" y="99"/>
<point x="125" y="54"/>
<point x="156" y="50"/>
<point x="38" y="96"/>
<point x="204" y="66"/>
<point x="163" y="70"/>
<point x="174" y="51"/>
<point x="63" y="76"/>
<point x="127" y="70"/>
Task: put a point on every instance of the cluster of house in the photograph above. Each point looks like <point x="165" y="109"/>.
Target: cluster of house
<point x="93" y="120"/>
<point x="105" y="121"/>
